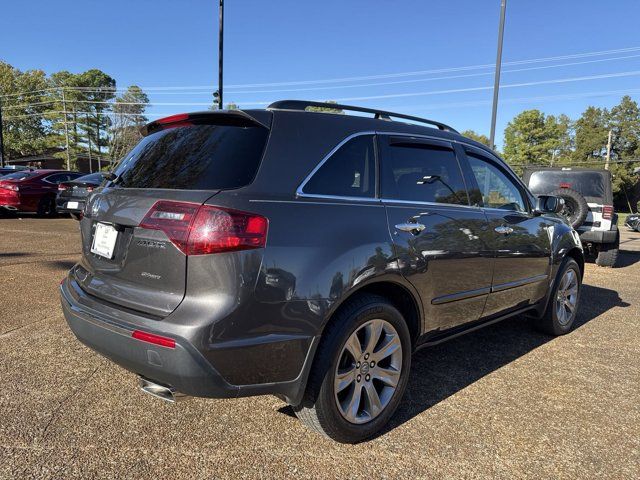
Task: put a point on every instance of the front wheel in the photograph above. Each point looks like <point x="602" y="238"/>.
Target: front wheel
<point x="360" y="373"/>
<point x="565" y="297"/>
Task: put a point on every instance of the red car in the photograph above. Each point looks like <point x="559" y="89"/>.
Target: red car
<point x="33" y="190"/>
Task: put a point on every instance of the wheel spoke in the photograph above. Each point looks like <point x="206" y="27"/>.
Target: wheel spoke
<point x="391" y="345"/>
<point x="373" y="399"/>
<point x="353" y="346"/>
<point x="387" y="375"/>
<point x="351" y="410"/>
<point x="569" y="306"/>
<point x="373" y="331"/>
<point x="344" y="379"/>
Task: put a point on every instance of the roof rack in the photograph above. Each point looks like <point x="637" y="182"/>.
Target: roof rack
<point x="302" y="105"/>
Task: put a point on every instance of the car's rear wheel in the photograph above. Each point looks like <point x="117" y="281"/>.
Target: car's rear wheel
<point x="360" y="373"/>
<point x="608" y="254"/>
<point x="562" y="309"/>
<point x="47" y="206"/>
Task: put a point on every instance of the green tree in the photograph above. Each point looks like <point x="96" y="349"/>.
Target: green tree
<point x="25" y="110"/>
<point x="325" y="109"/>
<point x="624" y="123"/>
<point x="591" y="131"/>
<point x="128" y="117"/>
<point x="533" y="138"/>
<point x="478" y="137"/>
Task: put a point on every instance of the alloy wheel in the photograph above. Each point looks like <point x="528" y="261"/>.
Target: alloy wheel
<point x="368" y="371"/>
<point x="567" y="297"/>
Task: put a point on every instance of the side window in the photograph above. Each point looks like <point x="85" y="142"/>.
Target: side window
<point x="349" y="172"/>
<point x="496" y="189"/>
<point x="422" y="173"/>
<point x="57" y="178"/>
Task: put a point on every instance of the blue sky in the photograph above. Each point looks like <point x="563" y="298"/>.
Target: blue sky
<point x="162" y="43"/>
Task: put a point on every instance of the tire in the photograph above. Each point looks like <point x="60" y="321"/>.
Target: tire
<point x="608" y="254"/>
<point x="575" y="209"/>
<point x="47" y="207"/>
<point x="320" y="410"/>
<point x="552" y="322"/>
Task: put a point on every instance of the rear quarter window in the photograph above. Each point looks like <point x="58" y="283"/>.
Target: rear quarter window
<point x="194" y="157"/>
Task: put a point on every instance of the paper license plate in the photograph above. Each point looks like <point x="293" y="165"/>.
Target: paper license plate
<point x="104" y="240"/>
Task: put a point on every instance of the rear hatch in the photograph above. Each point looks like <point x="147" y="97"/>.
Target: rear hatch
<point x="593" y="185"/>
<point x="135" y="228"/>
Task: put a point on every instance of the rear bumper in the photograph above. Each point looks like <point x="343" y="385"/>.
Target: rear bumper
<point x="181" y="367"/>
<point x="184" y="368"/>
<point x="61" y="206"/>
<point x="600" y="236"/>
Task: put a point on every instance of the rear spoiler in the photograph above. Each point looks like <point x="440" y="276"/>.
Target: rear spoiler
<point x="231" y="118"/>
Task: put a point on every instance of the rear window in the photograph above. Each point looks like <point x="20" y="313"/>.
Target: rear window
<point x="590" y="184"/>
<point x="194" y="157"/>
<point x="91" y="178"/>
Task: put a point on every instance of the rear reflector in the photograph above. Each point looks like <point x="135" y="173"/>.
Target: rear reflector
<point x="202" y="230"/>
<point x="155" y="339"/>
<point x="607" y="212"/>
<point x="565" y="185"/>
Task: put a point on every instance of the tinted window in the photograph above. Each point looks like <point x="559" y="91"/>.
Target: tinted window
<point x="91" y="178"/>
<point x="589" y="184"/>
<point x="59" y="177"/>
<point x="422" y="173"/>
<point x="195" y="157"/>
<point x="496" y="189"/>
<point x="19" y="176"/>
<point x="349" y="172"/>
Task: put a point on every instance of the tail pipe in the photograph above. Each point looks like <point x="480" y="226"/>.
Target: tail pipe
<point x="168" y="394"/>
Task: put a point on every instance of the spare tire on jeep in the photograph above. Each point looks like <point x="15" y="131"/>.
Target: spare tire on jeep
<point x="575" y="206"/>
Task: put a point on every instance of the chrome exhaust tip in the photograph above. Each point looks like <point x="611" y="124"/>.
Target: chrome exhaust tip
<point x="168" y="394"/>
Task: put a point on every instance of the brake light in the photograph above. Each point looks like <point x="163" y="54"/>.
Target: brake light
<point x="62" y="187"/>
<point x="89" y="189"/>
<point x="202" y="230"/>
<point x="565" y="185"/>
<point x="155" y="339"/>
<point x="607" y="212"/>
<point x="9" y="186"/>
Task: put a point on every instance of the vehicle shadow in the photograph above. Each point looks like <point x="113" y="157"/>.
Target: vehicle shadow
<point x="626" y="258"/>
<point x="15" y="254"/>
<point x="441" y="371"/>
<point x="63" y="264"/>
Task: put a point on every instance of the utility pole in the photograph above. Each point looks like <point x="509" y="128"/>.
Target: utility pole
<point x="220" y="52"/>
<point x="66" y="128"/>
<point x="608" y="158"/>
<point x="496" y="83"/>
<point x="89" y="142"/>
<point x="1" y="138"/>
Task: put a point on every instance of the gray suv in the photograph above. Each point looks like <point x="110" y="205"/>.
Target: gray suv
<point x="307" y="255"/>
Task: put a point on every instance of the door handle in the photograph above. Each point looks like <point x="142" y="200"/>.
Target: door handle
<point x="410" y="227"/>
<point x="503" y="230"/>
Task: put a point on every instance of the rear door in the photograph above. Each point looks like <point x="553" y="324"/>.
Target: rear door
<point x="520" y="239"/>
<point x="141" y="267"/>
<point x="438" y="236"/>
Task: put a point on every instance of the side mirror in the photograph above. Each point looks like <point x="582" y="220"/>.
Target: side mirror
<point x="549" y="204"/>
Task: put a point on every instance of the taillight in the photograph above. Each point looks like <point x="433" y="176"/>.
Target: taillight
<point x="89" y="189"/>
<point x="202" y="230"/>
<point x="607" y="212"/>
<point x="9" y="186"/>
<point x="61" y="187"/>
<point x="155" y="339"/>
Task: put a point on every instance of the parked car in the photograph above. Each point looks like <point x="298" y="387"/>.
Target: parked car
<point x="11" y="169"/>
<point x="308" y="255"/>
<point x="32" y="190"/>
<point x="588" y="198"/>
<point x="73" y="194"/>
<point x="633" y="222"/>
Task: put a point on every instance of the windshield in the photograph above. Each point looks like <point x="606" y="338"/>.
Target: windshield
<point x="16" y="177"/>
<point x="596" y="185"/>
<point x="194" y="157"/>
